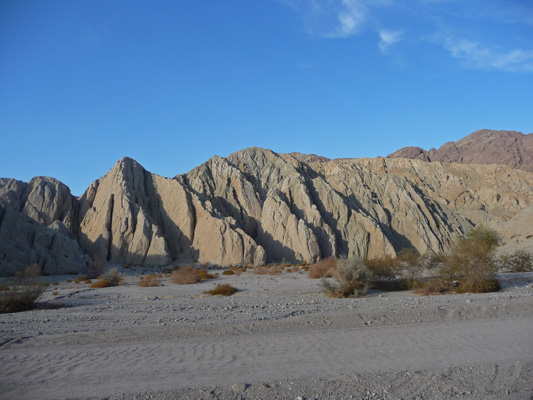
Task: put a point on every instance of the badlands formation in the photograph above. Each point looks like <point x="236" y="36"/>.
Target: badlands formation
<point x="279" y="337"/>
<point x="256" y="206"/>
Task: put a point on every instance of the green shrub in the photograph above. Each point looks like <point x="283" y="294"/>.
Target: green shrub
<point x="385" y="273"/>
<point x="351" y="279"/>
<point x="24" y="293"/>
<point x="470" y="266"/>
<point x="519" y="261"/>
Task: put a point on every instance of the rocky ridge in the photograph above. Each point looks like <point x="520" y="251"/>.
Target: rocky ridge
<point x="257" y="206"/>
<point x="481" y="147"/>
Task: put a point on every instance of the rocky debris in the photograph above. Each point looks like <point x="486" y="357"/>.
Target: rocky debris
<point x="24" y="242"/>
<point x="481" y="147"/>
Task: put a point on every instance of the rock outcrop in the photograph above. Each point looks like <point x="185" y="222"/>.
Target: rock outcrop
<point x="257" y="206"/>
<point x="481" y="147"/>
<point x="24" y="242"/>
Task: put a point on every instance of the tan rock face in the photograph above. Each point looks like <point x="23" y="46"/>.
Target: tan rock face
<point x="256" y="206"/>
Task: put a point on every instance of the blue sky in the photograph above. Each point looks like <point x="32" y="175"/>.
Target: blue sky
<point x="172" y="83"/>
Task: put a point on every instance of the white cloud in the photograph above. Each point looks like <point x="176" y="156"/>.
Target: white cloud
<point x="388" y="38"/>
<point x="478" y="57"/>
<point x="350" y="18"/>
<point x="330" y="18"/>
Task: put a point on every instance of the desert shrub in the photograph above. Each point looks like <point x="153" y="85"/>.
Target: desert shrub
<point x="267" y="270"/>
<point x="470" y="266"/>
<point x="100" y="284"/>
<point x="81" y="278"/>
<point x="323" y="268"/>
<point x="412" y="265"/>
<point x="385" y="273"/>
<point x="228" y="272"/>
<point x="294" y="268"/>
<point x="519" y="261"/>
<point x="185" y="276"/>
<point x="351" y="279"/>
<point x="222" y="290"/>
<point x="24" y="293"/>
<point x="111" y="278"/>
<point x="239" y="270"/>
<point x="95" y="268"/>
<point x="204" y="275"/>
<point x="68" y="280"/>
<point x="151" y="280"/>
<point x="55" y="283"/>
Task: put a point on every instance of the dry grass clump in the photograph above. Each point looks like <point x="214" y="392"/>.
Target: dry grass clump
<point x="228" y="272"/>
<point x="351" y="279"/>
<point x="204" y="275"/>
<point x="222" y="290"/>
<point x="151" y="280"/>
<point x="185" y="276"/>
<point x="24" y="293"/>
<point x="293" y="268"/>
<point x="112" y="278"/>
<point x="267" y="270"/>
<point x="238" y="270"/>
<point x="324" y="268"/>
<point x="81" y="278"/>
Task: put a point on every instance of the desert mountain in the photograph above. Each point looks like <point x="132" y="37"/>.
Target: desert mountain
<point x="481" y="147"/>
<point x="257" y="206"/>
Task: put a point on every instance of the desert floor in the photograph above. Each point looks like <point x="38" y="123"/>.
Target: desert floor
<point x="279" y="337"/>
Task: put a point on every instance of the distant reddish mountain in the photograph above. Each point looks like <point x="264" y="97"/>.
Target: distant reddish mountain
<point x="481" y="147"/>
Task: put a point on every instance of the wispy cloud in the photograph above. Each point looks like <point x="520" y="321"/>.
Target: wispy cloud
<point x="388" y="38"/>
<point x="350" y="18"/>
<point x="330" y="18"/>
<point x="479" y="57"/>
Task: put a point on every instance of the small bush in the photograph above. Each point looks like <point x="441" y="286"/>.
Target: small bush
<point x="87" y="281"/>
<point x="267" y="270"/>
<point x="228" y="272"/>
<point x="81" y="278"/>
<point x="101" y="284"/>
<point x="222" y="290"/>
<point x="151" y="280"/>
<point x="55" y="283"/>
<point x="519" y="261"/>
<point x="112" y="278"/>
<point x="385" y="273"/>
<point x="68" y="280"/>
<point x="294" y="268"/>
<point x="324" y="268"/>
<point x="239" y="270"/>
<point x="470" y="267"/>
<point x="24" y="293"/>
<point x="351" y="279"/>
<point x="185" y="276"/>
